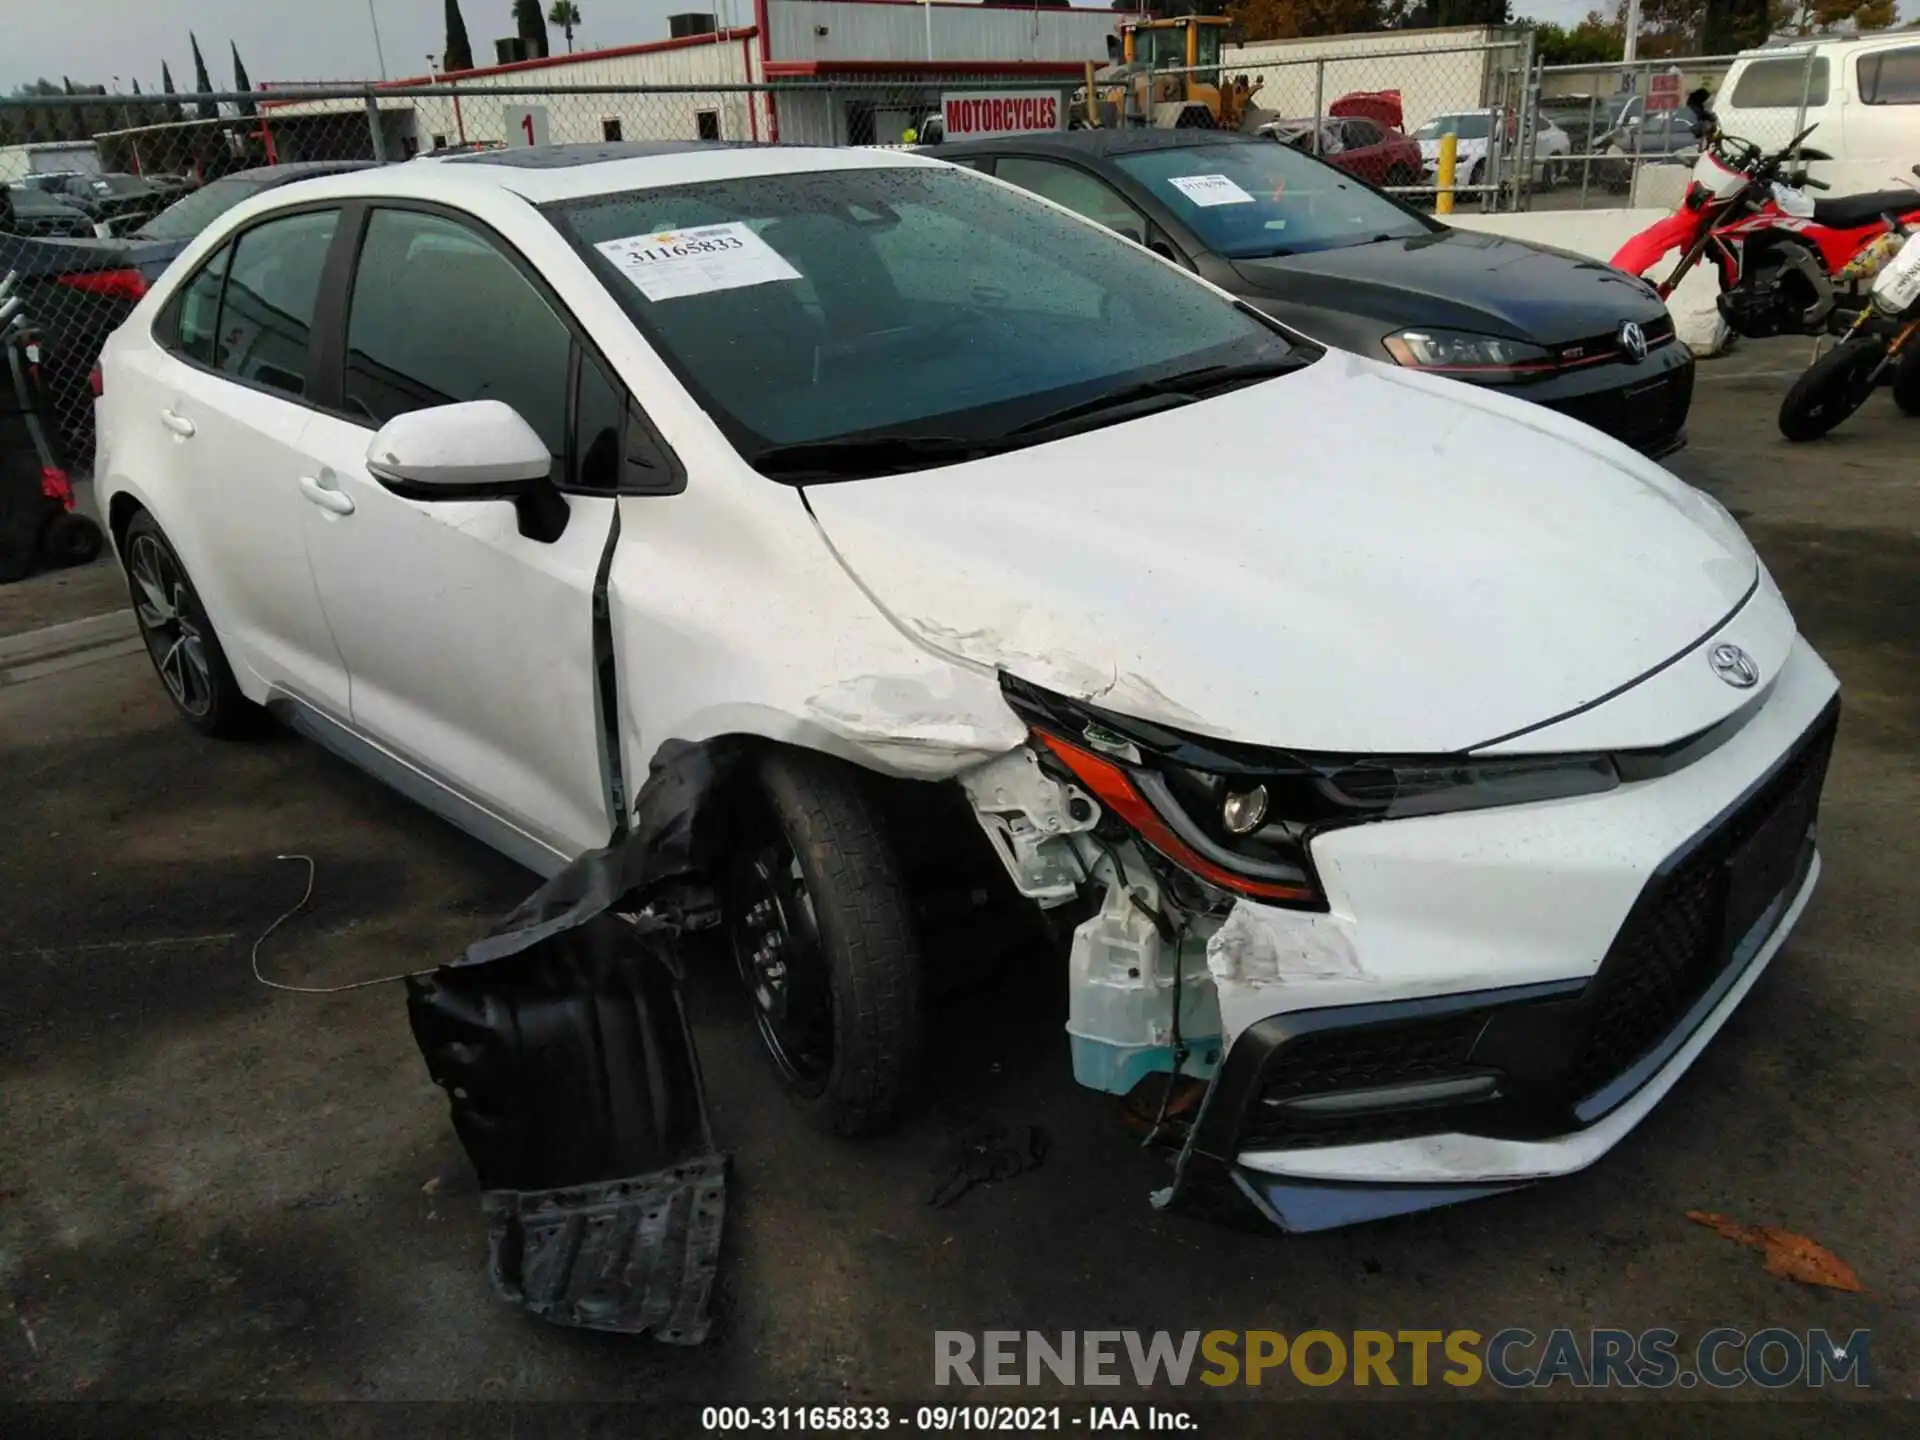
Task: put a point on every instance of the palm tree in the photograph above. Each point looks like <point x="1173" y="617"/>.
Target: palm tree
<point x="566" y="15"/>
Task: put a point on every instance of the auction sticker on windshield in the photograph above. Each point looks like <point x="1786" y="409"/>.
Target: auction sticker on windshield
<point x="676" y="263"/>
<point x="1207" y="191"/>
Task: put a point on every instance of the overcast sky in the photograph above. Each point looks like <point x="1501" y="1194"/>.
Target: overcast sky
<point x="95" y="41"/>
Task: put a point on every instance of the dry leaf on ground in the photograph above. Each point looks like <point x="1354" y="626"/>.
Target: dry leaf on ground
<point x="1790" y="1256"/>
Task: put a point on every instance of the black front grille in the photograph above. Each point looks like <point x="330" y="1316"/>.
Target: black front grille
<point x="1594" y="348"/>
<point x="1684" y="931"/>
<point x="1644" y="413"/>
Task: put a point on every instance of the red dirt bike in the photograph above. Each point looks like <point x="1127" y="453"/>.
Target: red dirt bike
<point x="1789" y="265"/>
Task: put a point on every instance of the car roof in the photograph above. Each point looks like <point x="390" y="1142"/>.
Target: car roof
<point x="1103" y="142"/>
<point x="544" y="173"/>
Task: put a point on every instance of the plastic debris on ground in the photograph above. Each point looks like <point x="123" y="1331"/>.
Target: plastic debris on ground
<point x="562" y="1044"/>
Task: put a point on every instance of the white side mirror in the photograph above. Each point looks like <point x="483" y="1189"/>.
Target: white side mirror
<point x="477" y="450"/>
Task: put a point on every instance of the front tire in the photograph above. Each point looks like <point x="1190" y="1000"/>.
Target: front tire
<point x="822" y="934"/>
<point x="1835" y="385"/>
<point x="186" y="654"/>
<point x="1906" y="382"/>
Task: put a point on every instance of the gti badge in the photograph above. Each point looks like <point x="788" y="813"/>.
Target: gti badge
<point x="1633" y="340"/>
<point x="1735" y="666"/>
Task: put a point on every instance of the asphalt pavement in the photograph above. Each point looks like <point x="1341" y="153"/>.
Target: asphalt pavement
<point x="210" y="1190"/>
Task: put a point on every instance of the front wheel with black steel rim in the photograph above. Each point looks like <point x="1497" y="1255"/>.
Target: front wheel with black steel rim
<point x="1835" y="385"/>
<point x="180" y="639"/>
<point x="822" y="934"/>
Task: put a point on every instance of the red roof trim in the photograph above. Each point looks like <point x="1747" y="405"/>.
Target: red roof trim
<point x="793" y="68"/>
<point x="990" y="5"/>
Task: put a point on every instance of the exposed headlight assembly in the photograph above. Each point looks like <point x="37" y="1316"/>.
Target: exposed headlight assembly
<point x="1486" y="359"/>
<point x="1244" y="820"/>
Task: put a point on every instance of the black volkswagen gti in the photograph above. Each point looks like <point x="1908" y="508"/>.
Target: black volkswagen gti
<point x="1335" y="259"/>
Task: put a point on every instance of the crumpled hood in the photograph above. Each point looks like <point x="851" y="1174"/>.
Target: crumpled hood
<point x="1351" y="558"/>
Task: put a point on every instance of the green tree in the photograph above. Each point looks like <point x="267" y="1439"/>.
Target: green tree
<point x="459" y="54"/>
<point x="566" y="15"/>
<point x="1594" y="41"/>
<point x="531" y="25"/>
<point x="1822" y="17"/>
<point x="1292" y="19"/>
<point x="1732" y="25"/>
<point x="170" y="104"/>
<point x="240" y="80"/>
<point x="202" y="83"/>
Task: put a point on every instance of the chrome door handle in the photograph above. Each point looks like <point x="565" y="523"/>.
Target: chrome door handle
<point x="177" y="423"/>
<point x="327" y="497"/>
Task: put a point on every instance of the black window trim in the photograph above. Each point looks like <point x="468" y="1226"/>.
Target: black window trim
<point x="165" y="330"/>
<point x="1180" y="244"/>
<point x="336" y="303"/>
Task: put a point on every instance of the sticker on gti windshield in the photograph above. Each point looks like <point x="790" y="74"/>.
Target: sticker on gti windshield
<point x="676" y="263"/>
<point x="1210" y="190"/>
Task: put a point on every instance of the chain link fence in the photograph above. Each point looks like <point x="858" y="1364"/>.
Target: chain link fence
<point x="1634" y="136"/>
<point x="135" y="177"/>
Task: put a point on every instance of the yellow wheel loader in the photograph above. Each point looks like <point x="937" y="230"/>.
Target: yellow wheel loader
<point x="1133" y="88"/>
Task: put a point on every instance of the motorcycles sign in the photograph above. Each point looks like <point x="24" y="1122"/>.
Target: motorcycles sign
<point x="980" y="115"/>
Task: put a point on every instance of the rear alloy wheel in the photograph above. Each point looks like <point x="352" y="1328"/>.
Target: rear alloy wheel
<point x="180" y="640"/>
<point x="822" y="936"/>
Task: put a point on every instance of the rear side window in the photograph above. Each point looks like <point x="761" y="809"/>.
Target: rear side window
<point x="1075" y="189"/>
<point x="1890" y="77"/>
<point x="195" y="312"/>
<point x="266" y="318"/>
<point x="439" y="316"/>
<point x="1780" y="84"/>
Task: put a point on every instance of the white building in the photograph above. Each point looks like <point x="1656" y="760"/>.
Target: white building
<point x="842" y="72"/>
<point x="1436" y="71"/>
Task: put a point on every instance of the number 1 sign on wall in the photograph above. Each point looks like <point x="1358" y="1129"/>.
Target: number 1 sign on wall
<point x="527" y="125"/>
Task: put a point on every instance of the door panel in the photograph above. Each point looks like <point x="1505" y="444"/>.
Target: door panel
<point x="468" y="646"/>
<point x="228" y="454"/>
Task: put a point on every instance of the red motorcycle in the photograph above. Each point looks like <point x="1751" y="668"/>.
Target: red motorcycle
<point x="1789" y="264"/>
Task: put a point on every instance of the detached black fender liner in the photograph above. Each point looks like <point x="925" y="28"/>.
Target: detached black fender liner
<point x="563" y="1047"/>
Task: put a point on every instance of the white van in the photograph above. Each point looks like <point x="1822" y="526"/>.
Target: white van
<point x="1863" y="95"/>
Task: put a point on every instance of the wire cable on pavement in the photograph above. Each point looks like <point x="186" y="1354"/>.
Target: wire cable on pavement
<point x="300" y="905"/>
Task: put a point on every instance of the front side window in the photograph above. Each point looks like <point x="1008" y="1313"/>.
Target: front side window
<point x="273" y="287"/>
<point x="440" y="316"/>
<point x="813" y="307"/>
<point x="1890" y="77"/>
<point x="1250" y="201"/>
<point x="1783" y="84"/>
<point x="1077" y="190"/>
<point x="196" y="311"/>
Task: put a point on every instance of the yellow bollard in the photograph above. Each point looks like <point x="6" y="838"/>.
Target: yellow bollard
<point x="1443" y="174"/>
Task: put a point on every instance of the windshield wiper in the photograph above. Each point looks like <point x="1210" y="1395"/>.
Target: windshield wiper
<point x="1186" y="386"/>
<point x="875" y="454"/>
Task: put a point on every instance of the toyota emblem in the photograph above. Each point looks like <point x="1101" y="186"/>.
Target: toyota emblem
<point x="1735" y="666"/>
<point x="1633" y="340"/>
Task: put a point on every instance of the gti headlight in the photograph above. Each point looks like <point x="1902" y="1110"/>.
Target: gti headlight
<point x="1485" y="359"/>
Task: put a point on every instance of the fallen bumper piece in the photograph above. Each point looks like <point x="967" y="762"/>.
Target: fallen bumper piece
<point x="563" y="1047"/>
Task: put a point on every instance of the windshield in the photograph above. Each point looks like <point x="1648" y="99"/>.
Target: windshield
<point x="929" y="302"/>
<point x="1261" y="199"/>
<point x="186" y="218"/>
<point x="1467" y="127"/>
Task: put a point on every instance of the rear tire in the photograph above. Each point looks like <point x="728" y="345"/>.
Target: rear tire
<point x="822" y="933"/>
<point x="72" y="539"/>
<point x="1906" y="382"/>
<point x="1401" y="175"/>
<point x="1835" y="385"/>
<point x="180" y="641"/>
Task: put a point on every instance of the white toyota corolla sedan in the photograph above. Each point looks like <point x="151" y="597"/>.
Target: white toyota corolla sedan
<point x="1424" y="774"/>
